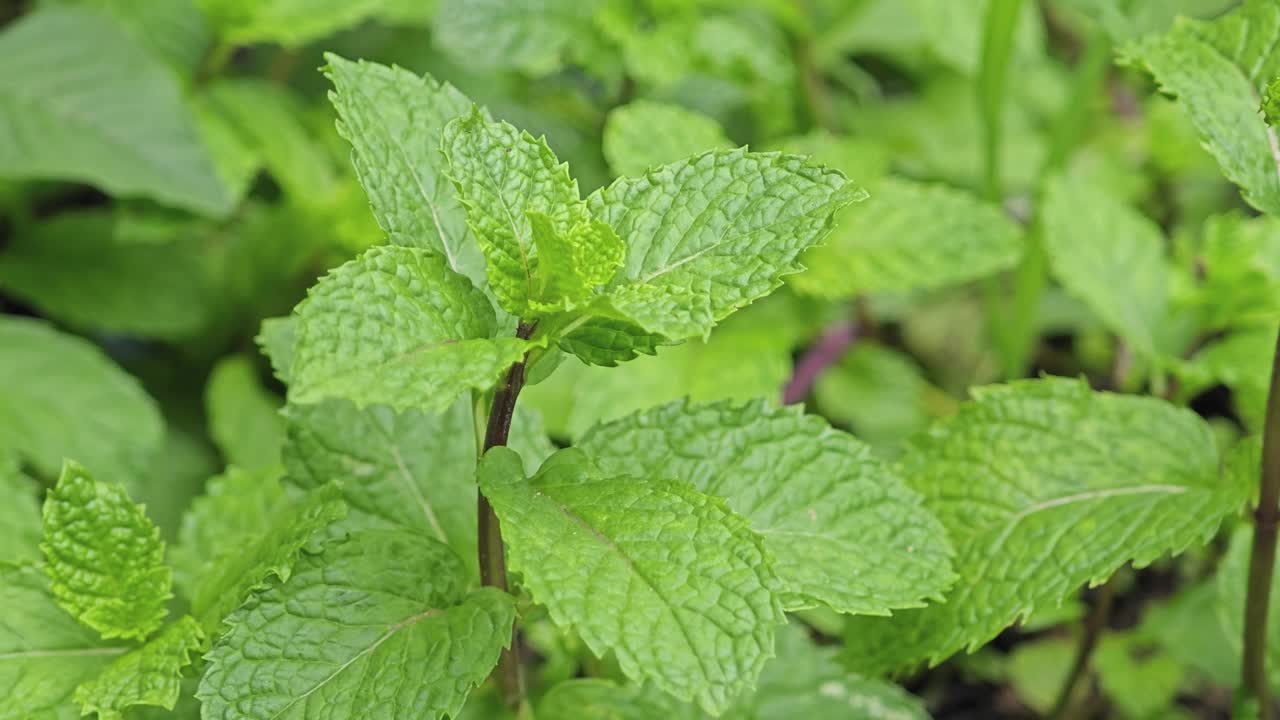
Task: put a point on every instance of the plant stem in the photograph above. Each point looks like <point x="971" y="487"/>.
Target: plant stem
<point x="1262" y="557"/>
<point x="493" y="563"/>
<point x="823" y="354"/>
<point x="1093" y="627"/>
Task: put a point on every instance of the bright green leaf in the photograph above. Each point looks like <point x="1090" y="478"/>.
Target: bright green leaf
<point x="572" y="264"/>
<point x="291" y="23"/>
<point x="234" y="510"/>
<point x="244" y="418"/>
<point x="645" y="134"/>
<point x="380" y="625"/>
<point x="676" y="586"/>
<point x="397" y="327"/>
<point x="105" y="558"/>
<point x="19" y="514"/>
<point x="148" y="675"/>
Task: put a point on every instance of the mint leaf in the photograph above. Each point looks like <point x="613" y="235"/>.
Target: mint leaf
<point x="148" y="675"/>
<point x="243" y="417"/>
<point x="73" y="402"/>
<point x="707" y="619"/>
<point x="645" y="134"/>
<point x="172" y="30"/>
<point x="881" y="394"/>
<point x="246" y="564"/>
<point x="76" y="271"/>
<point x="609" y="341"/>
<point x="911" y="236"/>
<point x="393" y="120"/>
<point x="292" y="23"/>
<point x="704" y="238"/>
<point x="1218" y="70"/>
<point x="44" y="653"/>
<point x="592" y="698"/>
<point x="380" y="625"/>
<point x="525" y="35"/>
<point x="233" y="511"/>
<point x="571" y="264"/>
<point x="90" y="130"/>
<point x="19" y="514"/>
<point x="1110" y="257"/>
<point x="276" y="340"/>
<point x="506" y="179"/>
<point x="397" y="327"/>
<point x="843" y="528"/>
<point x="105" y="558"/>
<point x="1044" y="486"/>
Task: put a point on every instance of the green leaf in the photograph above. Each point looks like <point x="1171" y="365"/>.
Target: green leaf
<point x="1218" y="70"/>
<point x="74" y="270"/>
<point x="880" y="393"/>
<point x="911" y="236"/>
<point x="599" y="699"/>
<point x="380" y="625"/>
<point x="239" y="568"/>
<point x="645" y="134"/>
<point x="44" y="652"/>
<point x="105" y="558"/>
<point x="69" y="103"/>
<point x="1239" y="271"/>
<point x="1142" y="681"/>
<point x="609" y="341"/>
<point x="1242" y="362"/>
<point x="570" y="266"/>
<point x="233" y="511"/>
<point x="172" y="30"/>
<point x="393" y="120"/>
<point x="710" y="234"/>
<point x="244" y="418"/>
<point x="148" y="675"/>
<point x="19" y="514"/>
<point x="408" y="471"/>
<point x="397" y="327"/>
<point x="292" y="23"/>
<point x="677" y="586"/>
<point x="1045" y="486"/>
<point x="1110" y="257"/>
<point x="506" y="179"/>
<point x="842" y="527"/>
<point x="525" y="35"/>
<point x="276" y="340"/>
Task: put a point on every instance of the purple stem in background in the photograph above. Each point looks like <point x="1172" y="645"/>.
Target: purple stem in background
<point x="822" y="355"/>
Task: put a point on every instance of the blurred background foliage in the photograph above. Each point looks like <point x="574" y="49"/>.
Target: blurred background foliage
<point x="170" y="177"/>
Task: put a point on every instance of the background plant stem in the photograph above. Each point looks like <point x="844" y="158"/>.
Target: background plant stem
<point x="1262" y="556"/>
<point x="493" y="562"/>
<point x="1094" y="625"/>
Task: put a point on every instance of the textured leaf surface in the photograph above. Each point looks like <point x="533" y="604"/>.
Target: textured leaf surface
<point x="1110" y="257"/>
<point x="645" y="134"/>
<point x="571" y="264"/>
<point x="244" y="418"/>
<point x="235" y="509"/>
<point x="503" y="174"/>
<point x="148" y="675"/>
<point x="409" y="471"/>
<point x="1218" y="70"/>
<point x="397" y="327"/>
<point x="394" y="119"/>
<point x="710" y="234"/>
<point x="77" y="272"/>
<point x="69" y="98"/>
<point x="44" y="652"/>
<point x="105" y="558"/>
<point x="380" y="625"/>
<point x="1044" y="486"/>
<point x="668" y="579"/>
<point x="911" y="236"/>
<point x="842" y="526"/>
<point x="19" y="514"/>
<point x="240" y="568"/>
<point x="73" y="402"/>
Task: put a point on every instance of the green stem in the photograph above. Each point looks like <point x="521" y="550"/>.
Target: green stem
<point x="1262" y="557"/>
<point x="493" y="563"/>
<point x="1094" y="625"/>
<point x="997" y="46"/>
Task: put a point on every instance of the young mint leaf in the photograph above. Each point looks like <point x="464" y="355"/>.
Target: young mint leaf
<point x="843" y="528"/>
<point x="1219" y="70"/>
<point x="408" y="471"/>
<point x="645" y="134"/>
<point x="393" y="120"/>
<point x="74" y="271"/>
<point x="710" y="234"/>
<point x="245" y="564"/>
<point x="675" y="584"/>
<point x="148" y="675"/>
<point x="397" y="327"/>
<point x="90" y="129"/>
<point x="506" y="179"/>
<point x="381" y="625"/>
<point x="244" y="418"/>
<point x="19" y="514"/>
<point x="1044" y="486"/>
<point x="571" y="265"/>
<point x="72" y="402"/>
<point x="911" y="236"/>
<point x="609" y="341"/>
<point x="105" y="558"/>
<point x="44" y="653"/>
<point x="233" y="511"/>
<point x="1110" y="257"/>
